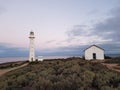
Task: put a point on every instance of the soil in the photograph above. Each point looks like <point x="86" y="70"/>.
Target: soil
<point x="3" y="71"/>
<point x="114" y="67"/>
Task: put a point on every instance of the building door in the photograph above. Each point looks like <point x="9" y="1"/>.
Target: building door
<point x="94" y="55"/>
<point x="31" y="59"/>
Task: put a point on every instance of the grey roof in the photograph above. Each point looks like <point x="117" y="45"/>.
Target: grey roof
<point x="95" y="46"/>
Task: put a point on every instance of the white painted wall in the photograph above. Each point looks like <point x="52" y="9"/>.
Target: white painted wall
<point x="31" y="48"/>
<point x="40" y="58"/>
<point x="93" y="49"/>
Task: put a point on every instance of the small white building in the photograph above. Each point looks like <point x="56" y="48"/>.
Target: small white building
<point x="94" y="52"/>
<point x="40" y="58"/>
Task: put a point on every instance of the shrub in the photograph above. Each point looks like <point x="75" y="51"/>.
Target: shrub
<point x="61" y="74"/>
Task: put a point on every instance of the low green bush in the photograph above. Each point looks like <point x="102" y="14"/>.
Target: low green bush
<point x="61" y="74"/>
<point x="113" y="60"/>
<point x="11" y="64"/>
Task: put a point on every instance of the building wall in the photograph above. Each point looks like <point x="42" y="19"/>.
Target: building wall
<point x="89" y="53"/>
<point x="31" y="47"/>
<point x="32" y="51"/>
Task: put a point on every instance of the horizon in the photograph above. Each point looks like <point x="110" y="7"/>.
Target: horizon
<point x="63" y="27"/>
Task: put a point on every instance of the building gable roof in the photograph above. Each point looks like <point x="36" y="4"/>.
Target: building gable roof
<point x="95" y="46"/>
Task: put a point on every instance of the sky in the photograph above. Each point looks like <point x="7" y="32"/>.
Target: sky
<point x="61" y="27"/>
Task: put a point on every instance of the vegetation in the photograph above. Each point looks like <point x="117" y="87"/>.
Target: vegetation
<point x="61" y="74"/>
<point x="107" y="57"/>
<point x="11" y="64"/>
<point x="113" y="60"/>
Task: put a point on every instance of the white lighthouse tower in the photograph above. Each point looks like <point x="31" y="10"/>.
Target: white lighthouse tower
<point x="32" y="48"/>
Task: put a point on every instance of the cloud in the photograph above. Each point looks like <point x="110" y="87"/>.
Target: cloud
<point x="7" y="50"/>
<point x="2" y="10"/>
<point x="105" y="33"/>
<point x="83" y="35"/>
<point x="63" y="51"/>
<point x="111" y="48"/>
<point x="50" y="41"/>
<point x="79" y="30"/>
<point x="110" y="28"/>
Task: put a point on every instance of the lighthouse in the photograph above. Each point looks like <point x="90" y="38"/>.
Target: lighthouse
<point x="31" y="48"/>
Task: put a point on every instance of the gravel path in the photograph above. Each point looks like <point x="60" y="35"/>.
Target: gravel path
<point x="3" y="71"/>
<point x="112" y="66"/>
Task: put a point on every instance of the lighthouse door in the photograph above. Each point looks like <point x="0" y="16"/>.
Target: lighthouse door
<point x="31" y="59"/>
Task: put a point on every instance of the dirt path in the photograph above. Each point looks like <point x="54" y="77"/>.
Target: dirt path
<point x="3" y="71"/>
<point x="112" y="66"/>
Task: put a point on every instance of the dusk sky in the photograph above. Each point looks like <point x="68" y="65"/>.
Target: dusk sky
<point x="61" y="27"/>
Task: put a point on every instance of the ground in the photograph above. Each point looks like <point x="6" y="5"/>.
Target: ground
<point x="114" y="67"/>
<point x="111" y="66"/>
<point x="62" y="74"/>
<point x="3" y="71"/>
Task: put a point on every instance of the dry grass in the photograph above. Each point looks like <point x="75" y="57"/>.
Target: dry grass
<point x="114" y="67"/>
<point x="3" y="71"/>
